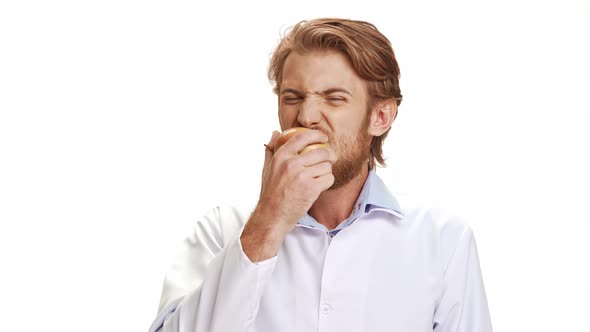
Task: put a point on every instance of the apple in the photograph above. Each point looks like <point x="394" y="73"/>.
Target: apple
<point x="289" y="133"/>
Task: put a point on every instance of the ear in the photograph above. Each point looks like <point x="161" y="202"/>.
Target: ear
<point x="382" y="116"/>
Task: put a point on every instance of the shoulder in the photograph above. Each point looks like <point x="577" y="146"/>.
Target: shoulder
<point x="419" y="211"/>
<point x="223" y="221"/>
<point x="442" y="226"/>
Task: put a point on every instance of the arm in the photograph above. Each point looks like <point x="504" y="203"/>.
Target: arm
<point x="228" y="299"/>
<point x="211" y="234"/>
<point x="463" y="306"/>
<point x="233" y="284"/>
<point x="213" y="285"/>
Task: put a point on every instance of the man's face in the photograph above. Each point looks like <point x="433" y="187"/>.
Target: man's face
<point x="320" y="90"/>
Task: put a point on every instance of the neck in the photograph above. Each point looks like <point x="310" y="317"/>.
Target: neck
<point x="334" y="206"/>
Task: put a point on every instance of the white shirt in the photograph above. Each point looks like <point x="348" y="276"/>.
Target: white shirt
<point x="383" y="269"/>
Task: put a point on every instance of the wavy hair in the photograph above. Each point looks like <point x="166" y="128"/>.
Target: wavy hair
<point x="368" y="50"/>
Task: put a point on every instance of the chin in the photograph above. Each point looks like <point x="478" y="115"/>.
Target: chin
<point x="343" y="174"/>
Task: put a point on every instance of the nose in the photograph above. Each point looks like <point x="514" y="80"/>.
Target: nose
<point x="310" y="113"/>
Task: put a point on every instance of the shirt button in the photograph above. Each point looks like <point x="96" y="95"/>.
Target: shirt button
<point x="326" y="308"/>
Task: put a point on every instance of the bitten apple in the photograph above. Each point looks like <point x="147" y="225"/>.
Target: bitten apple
<point x="289" y="133"/>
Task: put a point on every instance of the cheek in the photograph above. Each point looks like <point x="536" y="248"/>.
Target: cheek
<point x="281" y="121"/>
<point x="283" y="118"/>
<point x="287" y="117"/>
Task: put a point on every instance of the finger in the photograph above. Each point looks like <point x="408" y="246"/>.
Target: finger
<point x="318" y="155"/>
<point x="269" y="149"/>
<point x="268" y="153"/>
<point x="325" y="181"/>
<point x="320" y="169"/>
<point x="298" y="142"/>
<point x="273" y="140"/>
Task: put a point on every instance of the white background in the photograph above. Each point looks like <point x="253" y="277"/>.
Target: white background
<point x="121" y="122"/>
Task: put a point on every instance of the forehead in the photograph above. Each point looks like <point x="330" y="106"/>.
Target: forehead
<point x="321" y="70"/>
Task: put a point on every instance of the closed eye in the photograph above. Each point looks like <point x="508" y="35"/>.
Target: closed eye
<point x="292" y="99"/>
<point x="336" y="99"/>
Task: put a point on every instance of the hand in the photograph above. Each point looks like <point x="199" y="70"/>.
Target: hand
<point x="291" y="183"/>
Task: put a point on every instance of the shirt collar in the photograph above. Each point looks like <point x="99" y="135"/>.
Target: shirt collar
<point x="373" y="197"/>
<point x="376" y="195"/>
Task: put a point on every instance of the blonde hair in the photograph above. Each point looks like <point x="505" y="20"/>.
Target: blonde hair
<point x="369" y="51"/>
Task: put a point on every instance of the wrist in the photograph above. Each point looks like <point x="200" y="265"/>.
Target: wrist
<point x="262" y="238"/>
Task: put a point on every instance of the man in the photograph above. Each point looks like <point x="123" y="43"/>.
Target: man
<point x="328" y="247"/>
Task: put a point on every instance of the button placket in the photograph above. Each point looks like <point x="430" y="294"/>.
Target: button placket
<point x="327" y="299"/>
<point x="326" y="308"/>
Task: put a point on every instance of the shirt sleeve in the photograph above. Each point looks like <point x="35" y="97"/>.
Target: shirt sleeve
<point x="463" y="305"/>
<point x="229" y="298"/>
<point x="211" y="233"/>
<point x="208" y="273"/>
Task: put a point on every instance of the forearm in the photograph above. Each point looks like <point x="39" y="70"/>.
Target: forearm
<point x="261" y="239"/>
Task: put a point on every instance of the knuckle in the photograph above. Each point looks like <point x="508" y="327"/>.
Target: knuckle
<point x="291" y="165"/>
<point x="278" y="157"/>
<point x="300" y="176"/>
<point x="299" y="137"/>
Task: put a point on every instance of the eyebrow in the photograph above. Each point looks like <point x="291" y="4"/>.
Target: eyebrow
<point x="323" y="93"/>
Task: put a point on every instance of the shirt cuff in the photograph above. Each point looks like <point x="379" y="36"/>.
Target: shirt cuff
<point x="248" y="264"/>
